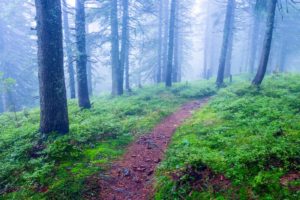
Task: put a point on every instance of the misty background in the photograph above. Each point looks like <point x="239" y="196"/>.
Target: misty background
<point x="200" y="32"/>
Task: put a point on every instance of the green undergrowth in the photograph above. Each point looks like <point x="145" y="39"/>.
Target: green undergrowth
<point x="58" y="167"/>
<point x="250" y="136"/>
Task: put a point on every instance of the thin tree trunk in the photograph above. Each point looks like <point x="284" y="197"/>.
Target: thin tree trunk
<point x="53" y="99"/>
<point x="7" y="101"/>
<point x="90" y="77"/>
<point x="176" y="51"/>
<point x="1" y="105"/>
<point x="82" y="82"/>
<point x="160" y="43"/>
<point x="282" y="57"/>
<point x="89" y="67"/>
<point x="166" y="36"/>
<point x="255" y="31"/>
<point x="267" y="44"/>
<point x="125" y="46"/>
<point x="206" y="43"/>
<point x="226" y="38"/>
<point x="6" y="89"/>
<point x="115" y="47"/>
<point x="171" y="44"/>
<point x="229" y="55"/>
<point x="180" y="56"/>
<point x="69" y="51"/>
<point x="127" y="75"/>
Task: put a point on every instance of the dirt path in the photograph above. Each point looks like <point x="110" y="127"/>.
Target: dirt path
<point x="131" y="177"/>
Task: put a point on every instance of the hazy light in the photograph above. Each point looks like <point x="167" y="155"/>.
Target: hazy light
<point x="71" y="2"/>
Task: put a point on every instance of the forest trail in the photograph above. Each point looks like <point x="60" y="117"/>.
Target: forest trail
<point x="131" y="177"/>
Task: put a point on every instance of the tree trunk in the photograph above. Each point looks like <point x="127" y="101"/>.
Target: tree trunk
<point x="282" y="56"/>
<point x="7" y="100"/>
<point x="89" y="66"/>
<point x="127" y="75"/>
<point x="7" y="89"/>
<point x="180" y="56"/>
<point x="171" y="44"/>
<point x="176" y="51"/>
<point x="53" y="99"/>
<point x="229" y="55"/>
<point x="1" y="105"/>
<point x="115" y="47"/>
<point x="226" y="38"/>
<point x="69" y="52"/>
<point x="166" y="36"/>
<point x="90" y="77"/>
<point x="160" y="43"/>
<point x="125" y="45"/>
<point x="255" y="31"/>
<point x="267" y="44"/>
<point x="81" y="61"/>
<point x="228" y="66"/>
<point x="206" y="44"/>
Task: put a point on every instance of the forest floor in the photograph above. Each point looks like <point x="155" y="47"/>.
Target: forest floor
<point x="242" y="144"/>
<point x="61" y="168"/>
<point x="131" y="177"/>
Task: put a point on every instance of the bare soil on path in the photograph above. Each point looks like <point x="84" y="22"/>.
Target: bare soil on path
<point x="131" y="177"/>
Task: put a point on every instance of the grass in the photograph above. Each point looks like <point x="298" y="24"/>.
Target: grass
<point x="249" y="136"/>
<point x="59" y="167"/>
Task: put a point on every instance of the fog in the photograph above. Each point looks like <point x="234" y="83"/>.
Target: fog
<point x="201" y="34"/>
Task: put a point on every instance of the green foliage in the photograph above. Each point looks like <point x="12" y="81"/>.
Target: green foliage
<point x="57" y="168"/>
<point x="250" y="135"/>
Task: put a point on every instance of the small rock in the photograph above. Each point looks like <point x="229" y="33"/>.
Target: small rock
<point x="137" y="180"/>
<point x="141" y="169"/>
<point x="126" y="172"/>
<point x="150" y="172"/>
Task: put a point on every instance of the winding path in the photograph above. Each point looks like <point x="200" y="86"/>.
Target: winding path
<point x="131" y="177"/>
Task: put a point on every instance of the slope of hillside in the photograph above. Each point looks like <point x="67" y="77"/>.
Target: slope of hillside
<point x="57" y="167"/>
<point x="245" y="144"/>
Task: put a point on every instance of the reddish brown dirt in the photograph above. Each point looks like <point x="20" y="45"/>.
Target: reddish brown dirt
<point x="288" y="178"/>
<point x="131" y="177"/>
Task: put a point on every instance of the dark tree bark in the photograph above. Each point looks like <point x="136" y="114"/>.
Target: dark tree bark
<point x="266" y="44"/>
<point x="229" y="56"/>
<point x="115" y="47"/>
<point x="226" y="38"/>
<point x="81" y="61"/>
<point x="171" y="44"/>
<point x="69" y="51"/>
<point x="160" y="43"/>
<point x="53" y="100"/>
<point x="124" y="47"/>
